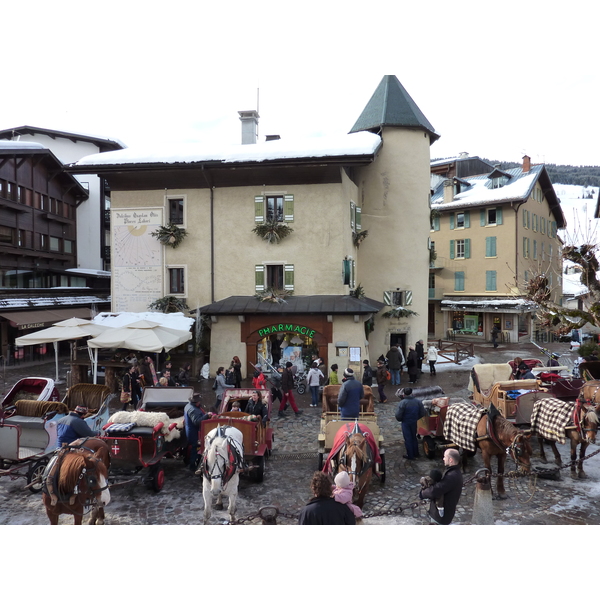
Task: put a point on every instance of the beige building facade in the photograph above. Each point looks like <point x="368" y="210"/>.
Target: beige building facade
<point x="356" y="209"/>
<point x="491" y="233"/>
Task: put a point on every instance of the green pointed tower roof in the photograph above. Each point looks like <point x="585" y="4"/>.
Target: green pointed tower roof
<point x="392" y="106"/>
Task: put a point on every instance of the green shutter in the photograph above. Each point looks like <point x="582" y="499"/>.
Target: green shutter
<point x="352" y="213"/>
<point x="288" y="207"/>
<point x="467" y="248"/>
<point x="259" y="278"/>
<point x="490" y="247"/>
<point x="353" y="274"/>
<point x="467" y="219"/>
<point x="490" y="281"/>
<point x="459" y="281"/>
<point x="528" y="220"/>
<point x="259" y="209"/>
<point x="288" y="282"/>
<point x="524" y="218"/>
<point x="346" y="272"/>
<point x="534" y="249"/>
<point x="499" y="216"/>
<point x="482" y="214"/>
<point x="358" y="218"/>
<point x="451" y="220"/>
<point x="436" y="223"/>
<point x="451" y="248"/>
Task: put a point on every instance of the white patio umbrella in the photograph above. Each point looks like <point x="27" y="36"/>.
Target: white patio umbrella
<point x="143" y="336"/>
<point x="70" y="329"/>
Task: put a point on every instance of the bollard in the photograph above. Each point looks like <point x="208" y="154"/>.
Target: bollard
<point x="483" y="511"/>
<point x="268" y="514"/>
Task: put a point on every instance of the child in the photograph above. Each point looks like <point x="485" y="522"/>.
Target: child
<point x="333" y="376"/>
<point x="236" y="407"/>
<point x="342" y="492"/>
<point x="434" y="477"/>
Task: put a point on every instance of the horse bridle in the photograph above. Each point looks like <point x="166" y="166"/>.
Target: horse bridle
<point x="515" y="450"/>
<point x="222" y="472"/>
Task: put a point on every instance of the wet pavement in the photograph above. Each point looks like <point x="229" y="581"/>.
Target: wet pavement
<point x="294" y="460"/>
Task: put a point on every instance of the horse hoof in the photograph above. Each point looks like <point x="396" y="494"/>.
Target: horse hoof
<point x="582" y="475"/>
<point x="544" y="461"/>
<point x="501" y="496"/>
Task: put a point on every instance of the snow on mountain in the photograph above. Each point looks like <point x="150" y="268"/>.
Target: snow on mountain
<point x="578" y="204"/>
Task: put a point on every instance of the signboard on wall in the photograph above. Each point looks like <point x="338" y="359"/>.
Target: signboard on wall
<point x="136" y="258"/>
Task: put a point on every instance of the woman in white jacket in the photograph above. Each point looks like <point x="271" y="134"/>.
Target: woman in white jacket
<point x="313" y="380"/>
<point x="432" y="356"/>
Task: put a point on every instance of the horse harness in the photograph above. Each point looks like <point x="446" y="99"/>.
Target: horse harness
<point x="51" y="475"/>
<point x="514" y="449"/>
<point x="225" y="469"/>
<point x="368" y="464"/>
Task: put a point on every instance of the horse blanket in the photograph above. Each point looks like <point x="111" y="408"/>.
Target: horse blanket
<point x="340" y="439"/>
<point x="550" y="417"/>
<point x="460" y="425"/>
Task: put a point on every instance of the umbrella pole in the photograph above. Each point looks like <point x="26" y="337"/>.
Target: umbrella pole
<point x="95" y="365"/>
<point x="55" y="344"/>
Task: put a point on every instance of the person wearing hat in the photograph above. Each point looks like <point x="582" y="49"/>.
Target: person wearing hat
<point x="553" y="361"/>
<point x="313" y="380"/>
<point x="381" y="375"/>
<point x="72" y="427"/>
<point x="193" y="415"/>
<point x="259" y="380"/>
<point x="350" y="395"/>
<point x="287" y="385"/>
<point x="409" y="411"/>
<point x="525" y="371"/>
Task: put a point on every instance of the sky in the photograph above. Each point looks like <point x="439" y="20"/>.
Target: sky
<point x="495" y="80"/>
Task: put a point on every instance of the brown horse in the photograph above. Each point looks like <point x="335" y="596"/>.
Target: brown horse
<point x="590" y="393"/>
<point x="76" y="480"/>
<point x="498" y="437"/>
<point x="356" y="458"/>
<point x="584" y="433"/>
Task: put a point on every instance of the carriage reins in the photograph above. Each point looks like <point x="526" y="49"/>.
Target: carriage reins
<point x="233" y="460"/>
<point x="512" y="449"/>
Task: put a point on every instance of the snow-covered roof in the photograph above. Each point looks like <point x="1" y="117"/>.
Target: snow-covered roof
<point x="356" y="144"/>
<point x="94" y="272"/>
<point x="50" y="301"/>
<point x="120" y="319"/>
<point x="32" y="130"/>
<point x="572" y="286"/>
<point x="8" y="145"/>
<point x="491" y="303"/>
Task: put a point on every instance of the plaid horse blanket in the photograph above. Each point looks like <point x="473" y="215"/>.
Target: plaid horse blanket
<point x="460" y="425"/>
<point x="550" y="417"/>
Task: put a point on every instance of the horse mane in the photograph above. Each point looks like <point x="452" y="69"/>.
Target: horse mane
<point x="592" y="416"/>
<point x="361" y="452"/>
<point x="213" y="450"/>
<point x="70" y="468"/>
<point x="503" y="426"/>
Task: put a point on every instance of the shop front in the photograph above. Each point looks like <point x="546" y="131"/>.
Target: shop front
<point x="292" y="332"/>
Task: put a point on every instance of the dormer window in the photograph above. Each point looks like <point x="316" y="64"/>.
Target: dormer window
<point x="498" y="178"/>
<point x="499" y="182"/>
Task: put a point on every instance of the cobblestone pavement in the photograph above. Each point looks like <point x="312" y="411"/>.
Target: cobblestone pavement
<point x="294" y="459"/>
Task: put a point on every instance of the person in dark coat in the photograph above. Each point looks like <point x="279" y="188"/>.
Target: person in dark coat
<point x="381" y="376"/>
<point x="193" y="415"/>
<point x="420" y="350"/>
<point x="72" y="427"/>
<point x="257" y="407"/>
<point x="367" y="377"/>
<point x="395" y="360"/>
<point x="236" y="365"/>
<point x="183" y="378"/>
<point x="412" y="362"/>
<point x="409" y="411"/>
<point x="323" y="509"/>
<point x="287" y="386"/>
<point x="495" y="332"/>
<point x="450" y="487"/>
<point x="525" y="371"/>
<point x="131" y="385"/>
<point x="350" y="395"/>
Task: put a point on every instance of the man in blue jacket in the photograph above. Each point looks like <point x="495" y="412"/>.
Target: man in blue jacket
<point x="350" y="395"/>
<point x="72" y="427"/>
<point x="409" y="411"/>
<point x="193" y="416"/>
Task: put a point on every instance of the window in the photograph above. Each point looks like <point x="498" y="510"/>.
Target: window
<point x="534" y="222"/>
<point x="43" y="241"/>
<point x="490" y="281"/>
<point x="490" y="247"/>
<point x="490" y="216"/>
<point x="459" y="281"/>
<point x="534" y="249"/>
<point x="273" y="207"/>
<point x="432" y="285"/>
<point x="460" y="248"/>
<point x="435" y="223"/>
<point x="525" y="247"/>
<point x="398" y="298"/>
<point x="175" y="206"/>
<point x="543" y="225"/>
<point x="542" y="252"/>
<point x="54" y="244"/>
<point x="6" y="235"/>
<point x="177" y="280"/>
<point x="460" y="220"/>
<point x="355" y="217"/>
<point x="276" y="276"/>
<point x="498" y="182"/>
<point x="44" y="205"/>
<point x="68" y="246"/>
<point x="526" y="219"/>
<point x="10" y="190"/>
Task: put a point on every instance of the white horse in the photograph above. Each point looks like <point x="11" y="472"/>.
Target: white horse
<point x="222" y="460"/>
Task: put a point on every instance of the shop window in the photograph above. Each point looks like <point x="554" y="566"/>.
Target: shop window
<point x="460" y="248"/>
<point x="176" y="208"/>
<point x="459" y="281"/>
<point x="490" y="281"/>
<point x="177" y="280"/>
<point x="273" y="207"/>
<point x="490" y="247"/>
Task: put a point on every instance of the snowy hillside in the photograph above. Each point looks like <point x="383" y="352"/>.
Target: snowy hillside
<point x="578" y="204"/>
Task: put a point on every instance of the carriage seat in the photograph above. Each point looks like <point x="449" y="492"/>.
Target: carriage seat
<point x="331" y="404"/>
<point x="32" y="413"/>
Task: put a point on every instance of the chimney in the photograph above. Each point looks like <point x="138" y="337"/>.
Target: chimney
<point x="463" y="155"/>
<point x="272" y="137"/>
<point x="448" y="190"/>
<point x="249" y="119"/>
<point x="526" y="164"/>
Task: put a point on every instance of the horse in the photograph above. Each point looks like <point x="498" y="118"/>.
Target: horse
<point x="76" y="479"/>
<point x="471" y="428"/>
<point x="355" y="456"/>
<point x="222" y="460"/>
<point x="582" y="433"/>
<point x="590" y="394"/>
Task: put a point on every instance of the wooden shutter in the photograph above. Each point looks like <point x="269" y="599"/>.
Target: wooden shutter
<point x="259" y="209"/>
<point x="490" y="281"/>
<point x="499" y="215"/>
<point x="459" y="281"/>
<point x="524" y="218"/>
<point x="387" y="298"/>
<point x="482" y="217"/>
<point x="490" y="246"/>
<point x="358" y="218"/>
<point x="467" y="219"/>
<point x="467" y="248"/>
<point x="451" y="220"/>
<point x="288" y="207"/>
<point x="288" y="282"/>
<point x="436" y="223"/>
<point x="352" y="211"/>
<point x="408" y="298"/>
<point x="259" y="278"/>
<point x="451" y="248"/>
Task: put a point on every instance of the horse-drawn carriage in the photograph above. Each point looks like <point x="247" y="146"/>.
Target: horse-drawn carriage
<point x="257" y="436"/>
<point x="142" y="438"/>
<point x="32" y="388"/>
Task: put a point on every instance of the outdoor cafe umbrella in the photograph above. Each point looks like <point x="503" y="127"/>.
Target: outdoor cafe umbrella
<point x="70" y="329"/>
<point x="143" y="336"/>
